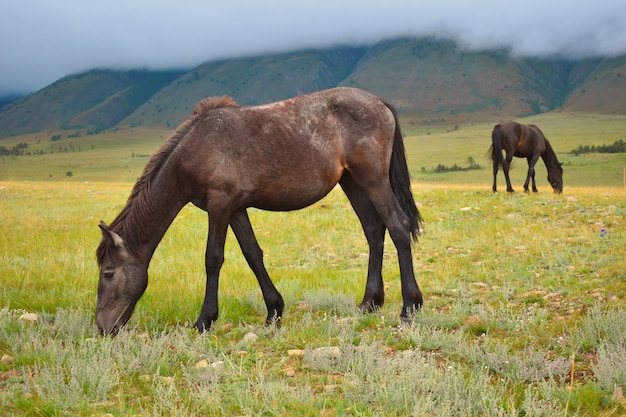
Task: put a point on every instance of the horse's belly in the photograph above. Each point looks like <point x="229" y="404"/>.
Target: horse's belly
<point x="289" y="198"/>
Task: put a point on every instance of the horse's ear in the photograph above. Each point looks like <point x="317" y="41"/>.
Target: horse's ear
<point x="117" y="240"/>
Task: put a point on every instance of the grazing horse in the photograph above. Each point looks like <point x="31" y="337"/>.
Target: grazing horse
<point x="281" y="156"/>
<point x="523" y="141"/>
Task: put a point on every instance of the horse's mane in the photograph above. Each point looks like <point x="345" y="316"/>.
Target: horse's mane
<point x="134" y="217"/>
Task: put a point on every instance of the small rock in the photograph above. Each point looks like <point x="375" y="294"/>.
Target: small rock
<point x="466" y="209"/>
<point x="571" y="199"/>
<point x="7" y="359"/>
<point x="250" y="337"/>
<point x="217" y="364"/>
<point x="296" y="352"/>
<point x="406" y="354"/>
<point x="323" y="357"/>
<point x="327" y="353"/>
<point x="202" y="364"/>
<point x="290" y="372"/>
<point x="302" y="307"/>
<point x="346" y="321"/>
<point x="29" y="317"/>
<point x="552" y="296"/>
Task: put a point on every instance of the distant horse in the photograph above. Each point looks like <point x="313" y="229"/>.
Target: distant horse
<point x="281" y="156"/>
<point x="523" y="141"/>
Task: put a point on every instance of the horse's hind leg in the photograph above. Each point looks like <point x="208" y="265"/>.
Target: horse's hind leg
<point x="240" y="223"/>
<point x="494" y="187"/>
<point x="374" y="230"/>
<point x="396" y="221"/>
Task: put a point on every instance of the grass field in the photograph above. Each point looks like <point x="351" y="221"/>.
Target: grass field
<point x="524" y="297"/>
<point x="515" y="285"/>
<point x="120" y="156"/>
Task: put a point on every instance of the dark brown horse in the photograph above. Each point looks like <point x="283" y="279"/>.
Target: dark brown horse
<point x="281" y="156"/>
<point x="523" y="141"/>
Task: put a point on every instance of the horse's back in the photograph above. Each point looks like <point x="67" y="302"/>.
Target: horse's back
<point x="509" y="128"/>
<point x="522" y="140"/>
<point x="288" y="154"/>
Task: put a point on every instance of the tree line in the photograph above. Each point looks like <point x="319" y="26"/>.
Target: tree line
<point x="14" y="151"/>
<point x="619" y="146"/>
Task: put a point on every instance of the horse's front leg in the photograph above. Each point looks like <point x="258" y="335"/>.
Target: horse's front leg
<point x="214" y="259"/>
<point x="532" y="161"/>
<point x="240" y="223"/>
<point x="505" y="167"/>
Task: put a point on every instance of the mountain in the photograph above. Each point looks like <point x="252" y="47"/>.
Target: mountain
<point x="438" y="82"/>
<point x="6" y="99"/>
<point x="92" y="101"/>
<point x="598" y="86"/>
<point x="252" y="80"/>
<point x="430" y="81"/>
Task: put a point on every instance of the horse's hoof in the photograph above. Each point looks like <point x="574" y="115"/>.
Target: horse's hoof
<point x="202" y="327"/>
<point x="367" y="307"/>
<point x="406" y="321"/>
<point x="274" y="321"/>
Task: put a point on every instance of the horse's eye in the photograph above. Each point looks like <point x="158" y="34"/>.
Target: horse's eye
<point x="108" y="275"/>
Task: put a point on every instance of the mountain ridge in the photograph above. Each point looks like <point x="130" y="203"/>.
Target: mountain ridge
<point x="430" y="81"/>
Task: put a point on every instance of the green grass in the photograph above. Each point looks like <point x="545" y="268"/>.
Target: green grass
<point x="514" y="286"/>
<point x="121" y="155"/>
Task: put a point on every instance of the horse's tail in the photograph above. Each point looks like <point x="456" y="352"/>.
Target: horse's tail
<point x="496" y="147"/>
<point x="401" y="181"/>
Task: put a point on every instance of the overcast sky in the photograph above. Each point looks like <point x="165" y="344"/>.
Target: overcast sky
<point x="44" y="40"/>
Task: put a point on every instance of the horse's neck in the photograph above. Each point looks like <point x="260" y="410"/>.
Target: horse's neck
<point x="147" y="216"/>
<point x="549" y="157"/>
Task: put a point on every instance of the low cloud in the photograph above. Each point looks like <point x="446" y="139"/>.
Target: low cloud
<point x="42" y="41"/>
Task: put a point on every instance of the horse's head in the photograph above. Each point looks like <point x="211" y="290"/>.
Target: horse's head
<point x="555" y="178"/>
<point x="123" y="280"/>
